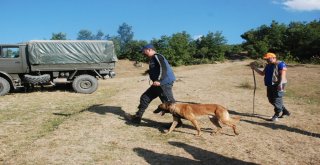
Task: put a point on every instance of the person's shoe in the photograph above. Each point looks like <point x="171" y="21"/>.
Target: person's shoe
<point x="133" y="118"/>
<point x="285" y="114"/>
<point x="275" y="118"/>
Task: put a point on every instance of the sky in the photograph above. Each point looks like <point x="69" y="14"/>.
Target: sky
<point x="24" y="20"/>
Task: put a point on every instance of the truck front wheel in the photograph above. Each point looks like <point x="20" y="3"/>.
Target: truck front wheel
<point x="85" y="84"/>
<point x="4" y="86"/>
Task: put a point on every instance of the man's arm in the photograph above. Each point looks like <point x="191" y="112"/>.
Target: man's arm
<point x="163" y="67"/>
<point x="260" y="72"/>
<point x="283" y="79"/>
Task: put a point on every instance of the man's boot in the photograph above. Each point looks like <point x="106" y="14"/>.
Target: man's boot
<point x="133" y="118"/>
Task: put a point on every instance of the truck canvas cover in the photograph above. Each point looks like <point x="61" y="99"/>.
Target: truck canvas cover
<point x="70" y="51"/>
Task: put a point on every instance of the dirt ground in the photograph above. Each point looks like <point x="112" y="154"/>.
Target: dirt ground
<point x="58" y="126"/>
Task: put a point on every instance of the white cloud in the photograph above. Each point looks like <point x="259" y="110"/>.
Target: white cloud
<point x="195" y="37"/>
<point x="302" y="5"/>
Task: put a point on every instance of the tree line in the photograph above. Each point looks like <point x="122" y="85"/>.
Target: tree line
<point x="295" y="42"/>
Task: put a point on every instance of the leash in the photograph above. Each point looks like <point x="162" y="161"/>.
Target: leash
<point x="188" y="102"/>
<point x="254" y="91"/>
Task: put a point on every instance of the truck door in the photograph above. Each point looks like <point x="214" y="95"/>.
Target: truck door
<point x="10" y="59"/>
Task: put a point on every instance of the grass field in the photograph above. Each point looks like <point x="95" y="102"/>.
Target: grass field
<point x="58" y="126"/>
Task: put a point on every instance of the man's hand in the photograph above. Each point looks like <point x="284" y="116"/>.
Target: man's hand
<point x="156" y="83"/>
<point x="253" y="66"/>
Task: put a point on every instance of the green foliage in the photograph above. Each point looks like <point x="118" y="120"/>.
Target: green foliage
<point x="99" y="35"/>
<point x="298" y="41"/>
<point x="177" y="48"/>
<point x="59" y="36"/>
<point x="288" y="57"/>
<point x="88" y="35"/>
<point x="234" y="49"/>
<point x="85" y="35"/>
<point x="181" y="51"/>
<point x="211" y="46"/>
<point x="132" y="51"/>
<point x="116" y="43"/>
<point x="125" y="36"/>
<point x="315" y="60"/>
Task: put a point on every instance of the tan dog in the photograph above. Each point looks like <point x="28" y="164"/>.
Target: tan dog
<point x="216" y="113"/>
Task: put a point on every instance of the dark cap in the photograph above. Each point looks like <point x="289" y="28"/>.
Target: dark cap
<point x="149" y="46"/>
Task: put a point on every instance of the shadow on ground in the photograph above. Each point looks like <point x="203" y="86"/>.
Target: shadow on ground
<point x="200" y="156"/>
<point x="273" y="125"/>
<point x="45" y="88"/>
<point x="145" y="122"/>
<point x="104" y="110"/>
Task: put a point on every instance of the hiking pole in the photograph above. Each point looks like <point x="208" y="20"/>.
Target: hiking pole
<point x="254" y="90"/>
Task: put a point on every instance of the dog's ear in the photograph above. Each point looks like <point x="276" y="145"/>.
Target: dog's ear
<point x="171" y="106"/>
<point x="162" y="109"/>
<point x="159" y="109"/>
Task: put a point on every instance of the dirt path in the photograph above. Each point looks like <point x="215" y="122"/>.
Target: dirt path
<point x="62" y="127"/>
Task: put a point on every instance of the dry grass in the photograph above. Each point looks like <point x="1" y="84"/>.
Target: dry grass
<point x="62" y="127"/>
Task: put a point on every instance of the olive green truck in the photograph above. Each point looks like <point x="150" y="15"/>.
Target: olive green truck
<point x="38" y="62"/>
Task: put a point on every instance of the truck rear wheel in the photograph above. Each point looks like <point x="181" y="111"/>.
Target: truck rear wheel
<point x="85" y="84"/>
<point x="4" y="86"/>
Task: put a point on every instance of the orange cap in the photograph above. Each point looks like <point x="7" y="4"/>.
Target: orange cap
<point x="269" y="55"/>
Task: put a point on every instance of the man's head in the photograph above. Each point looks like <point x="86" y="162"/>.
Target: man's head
<point x="270" y="57"/>
<point x="148" y="50"/>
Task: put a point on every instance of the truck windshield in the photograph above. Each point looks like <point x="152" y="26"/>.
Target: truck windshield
<point x="9" y="52"/>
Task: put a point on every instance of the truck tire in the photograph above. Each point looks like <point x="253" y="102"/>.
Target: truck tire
<point x="85" y="84"/>
<point x="37" y="79"/>
<point x="4" y="86"/>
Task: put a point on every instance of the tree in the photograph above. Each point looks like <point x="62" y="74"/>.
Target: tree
<point x="180" y="46"/>
<point x="296" y="41"/>
<point x="99" y="35"/>
<point x="133" y="51"/>
<point x="211" y="46"/>
<point x="276" y="36"/>
<point x="125" y="36"/>
<point x="303" y="39"/>
<point x="59" y="36"/>
<point x="85" y="35"/>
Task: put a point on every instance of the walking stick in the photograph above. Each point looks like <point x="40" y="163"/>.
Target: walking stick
<point x="254" y="90"/>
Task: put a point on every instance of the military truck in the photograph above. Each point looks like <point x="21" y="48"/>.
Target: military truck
<point x="38" y="62"/>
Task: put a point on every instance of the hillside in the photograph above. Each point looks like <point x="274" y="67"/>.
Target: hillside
<point x="57" y="126"/>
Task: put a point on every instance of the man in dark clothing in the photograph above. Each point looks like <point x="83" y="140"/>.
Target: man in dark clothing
<point x="275" y="80"/>
<point x="162" y="77"/>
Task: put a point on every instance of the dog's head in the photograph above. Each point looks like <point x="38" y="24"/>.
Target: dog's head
<point x="164" y="108"/>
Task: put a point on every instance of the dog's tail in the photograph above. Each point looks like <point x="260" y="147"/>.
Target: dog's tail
<point x="235" y="119"/>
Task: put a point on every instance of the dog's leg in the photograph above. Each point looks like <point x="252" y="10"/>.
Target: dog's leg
<point x="195" y="123"/>
<point x="173" y="125"/>
<point x="215" y="122"/>
<point x="234" y="127"/>
<point x="230" y="124"/>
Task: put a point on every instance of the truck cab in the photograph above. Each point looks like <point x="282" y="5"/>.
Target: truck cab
<point x="12" y="58"/>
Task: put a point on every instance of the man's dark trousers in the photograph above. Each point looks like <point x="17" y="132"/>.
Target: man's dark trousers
<point x="164" y="92"/>
<point x="275" y="98"/>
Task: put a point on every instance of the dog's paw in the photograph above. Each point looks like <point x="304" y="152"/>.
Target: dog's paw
<point x="198" y="134"/>
<point x="166" y="133"/>
<point x="215" y="133"/>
